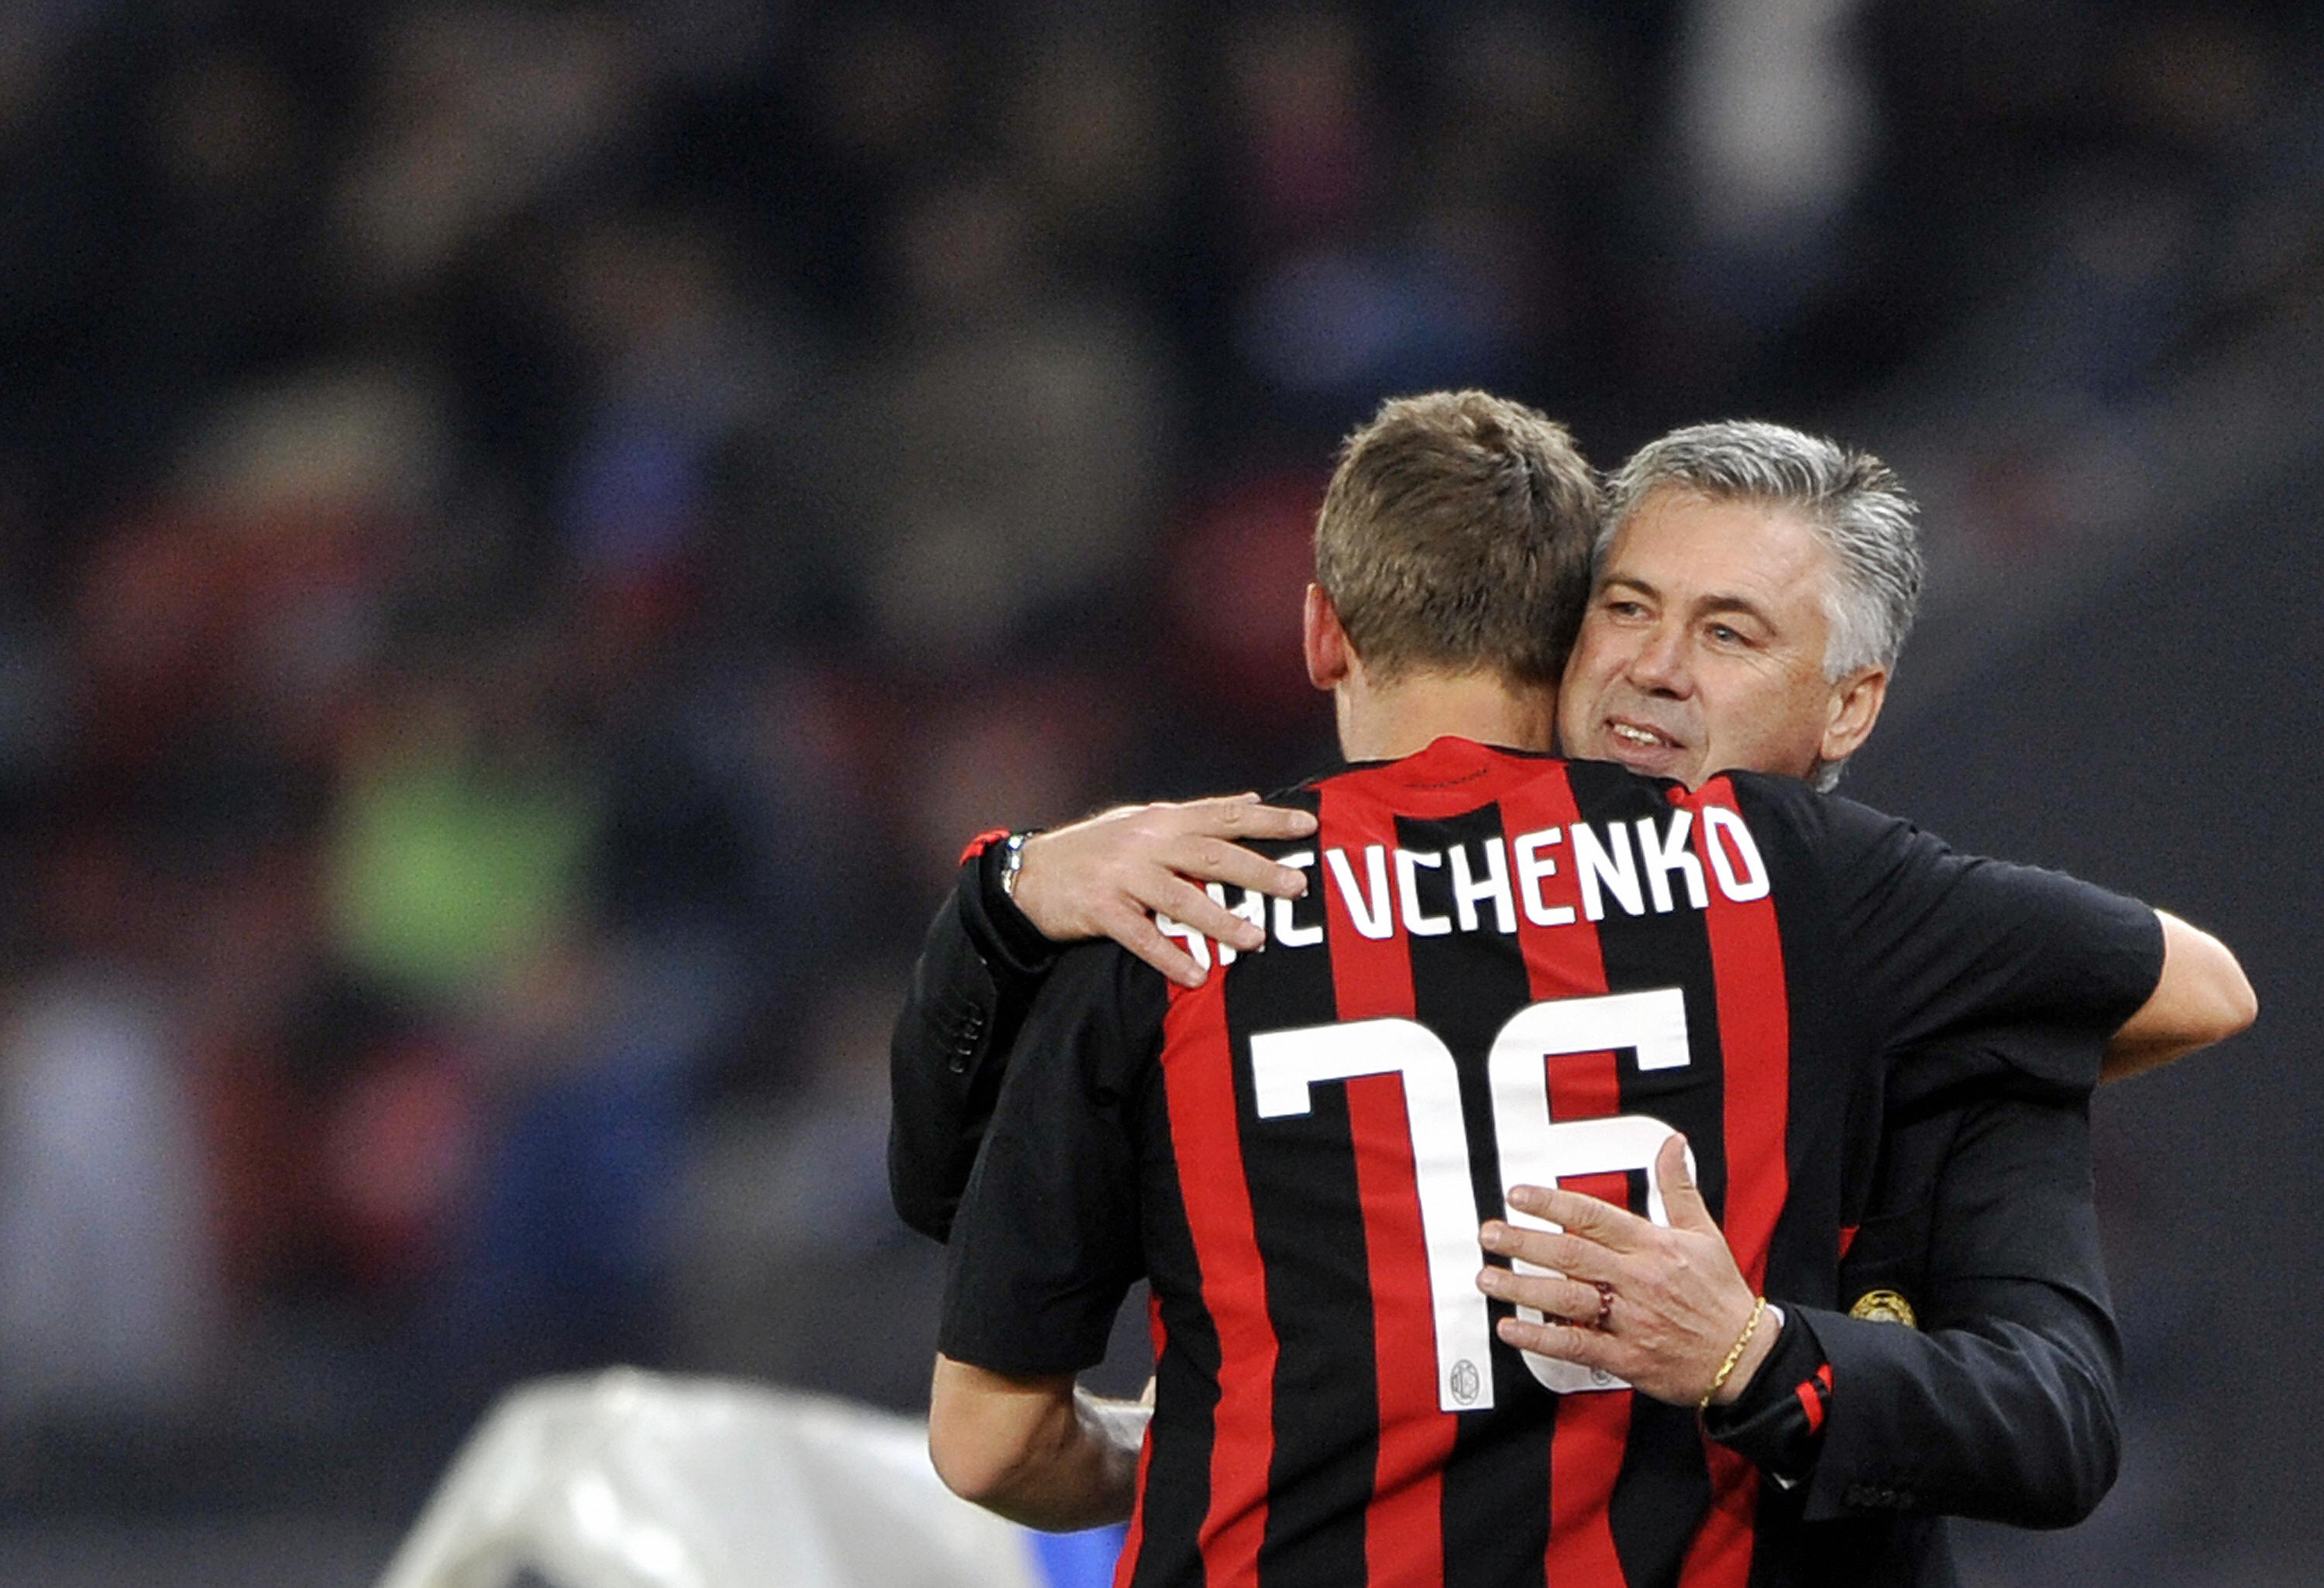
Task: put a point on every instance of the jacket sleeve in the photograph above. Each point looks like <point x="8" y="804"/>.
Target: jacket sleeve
<point x="2000" y="1401"/>
<point x="978" y="968"/>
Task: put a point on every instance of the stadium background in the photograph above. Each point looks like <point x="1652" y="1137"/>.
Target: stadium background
<point x="529" y="533"/>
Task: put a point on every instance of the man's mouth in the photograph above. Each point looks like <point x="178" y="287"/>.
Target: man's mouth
<point x="1639" y="737"/>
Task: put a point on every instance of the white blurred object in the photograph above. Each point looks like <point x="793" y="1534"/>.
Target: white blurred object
<point x="1774" y="114"/>
<point x="634" y="1479"/>
<point x="107" y="1282"/>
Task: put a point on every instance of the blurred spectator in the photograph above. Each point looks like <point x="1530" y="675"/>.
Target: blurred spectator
<point x="563" y="1241"/>
<point x="1023" y="754"/>
<point x="796" y="1268"/>
<point x="463" y="825"/>
<point x="480" y="111"/>
<point x="995" y="459"/>
<point x="108" y="1277"/>
<point x="1235" y="574"/>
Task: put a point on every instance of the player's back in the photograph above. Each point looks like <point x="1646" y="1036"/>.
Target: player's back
<point x="1504" y="970"/>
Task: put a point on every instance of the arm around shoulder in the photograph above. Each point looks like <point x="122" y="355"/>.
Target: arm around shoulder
<point x="989" y="951"/>
<point x="1041" y="1452"/>
<point x="2202" y="997"/>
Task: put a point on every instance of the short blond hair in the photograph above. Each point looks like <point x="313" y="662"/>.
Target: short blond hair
<point x="1455" y="537"/>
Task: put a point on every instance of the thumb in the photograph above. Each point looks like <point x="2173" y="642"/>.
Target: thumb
<point x="1682" y="1199"/>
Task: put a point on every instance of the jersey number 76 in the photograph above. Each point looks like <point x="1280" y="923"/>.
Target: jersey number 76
<point x="1534" y="1149"/>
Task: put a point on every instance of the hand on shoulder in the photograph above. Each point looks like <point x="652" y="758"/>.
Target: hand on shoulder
<point x="1107" y="875"/>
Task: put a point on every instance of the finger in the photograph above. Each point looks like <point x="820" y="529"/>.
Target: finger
<point x="1554" y="1249"/>
<point x="1558" y="1297"/>
<point x="1139" y="935"/>
<point x="1172" y="895"/>
<point x="1564" y="1343"/>
<point x="1242" y="815"/>
<point x="1214" y="860"/>
<point x="1682" y="1198"/>
<point x="1590" y="1217"/>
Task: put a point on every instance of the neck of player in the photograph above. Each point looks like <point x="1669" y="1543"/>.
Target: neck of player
<point x="1385" y="721"/>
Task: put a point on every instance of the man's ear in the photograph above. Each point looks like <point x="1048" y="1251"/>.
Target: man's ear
<point x="1855" y="708"/>
<point x="1329" y="653"/>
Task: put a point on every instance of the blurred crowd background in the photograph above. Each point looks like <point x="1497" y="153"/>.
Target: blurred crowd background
<point x="530" y="533"/>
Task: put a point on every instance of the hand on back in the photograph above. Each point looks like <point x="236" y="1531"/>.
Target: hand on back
<point x="1661" y="1306"/>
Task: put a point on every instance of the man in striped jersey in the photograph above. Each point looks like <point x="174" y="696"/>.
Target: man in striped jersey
<point x="1505" y="1472"/>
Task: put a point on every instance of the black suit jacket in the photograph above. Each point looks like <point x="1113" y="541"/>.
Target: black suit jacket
<point x="2000" y="1400"/>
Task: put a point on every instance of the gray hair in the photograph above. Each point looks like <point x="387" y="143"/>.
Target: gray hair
<point x="1850" y="499"/>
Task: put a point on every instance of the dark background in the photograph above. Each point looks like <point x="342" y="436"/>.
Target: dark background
<point x="530" y="533"/>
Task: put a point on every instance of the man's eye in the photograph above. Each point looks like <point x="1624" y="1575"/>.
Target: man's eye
<point x="1726" y="635"/>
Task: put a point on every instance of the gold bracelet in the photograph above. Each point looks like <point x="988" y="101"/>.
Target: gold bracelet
<point x="1742" y="1344"/>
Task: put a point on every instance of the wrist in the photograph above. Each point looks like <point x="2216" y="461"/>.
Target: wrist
<point x="998" y="920"/>
<point x="1022" y="870"/>
<point x="1755" y="1341"/>
<point x="1755" y="1357"/>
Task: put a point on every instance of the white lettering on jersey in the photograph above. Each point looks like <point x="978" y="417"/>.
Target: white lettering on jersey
<point x="1605" y="863"/>
<point x="1287" y="932"/>
<point x="1652" y="864"/>
<point x="1466" y="891"/>
<point x="1368" y="908"/>
<point x="1533" y="868"/>
<point x="1659" y="858"/>
<point x="1408" y="889"/>
<point x="1252" y="908"/>
<point x="1734" y="857"/>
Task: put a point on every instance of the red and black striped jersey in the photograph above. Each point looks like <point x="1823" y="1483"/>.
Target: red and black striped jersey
<point x="1507" y="968"/>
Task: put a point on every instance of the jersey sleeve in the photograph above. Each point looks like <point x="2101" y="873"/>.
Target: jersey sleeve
<point x="978" y="968"/>
<point x="1047" y="1241"/>
<point x="1938" y="943"/>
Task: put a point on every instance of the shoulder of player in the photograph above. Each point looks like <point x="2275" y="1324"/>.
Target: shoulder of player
<point x="1308" y="796"/>
<point x="1100" y="972"/>
<point x="1102" y="988"/>
<point x="1830" y="821"/>
<point x="1094" y="1027"/>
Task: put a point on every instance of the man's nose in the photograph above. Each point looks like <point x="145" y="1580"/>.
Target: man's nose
<point x="1659" y="663"/>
